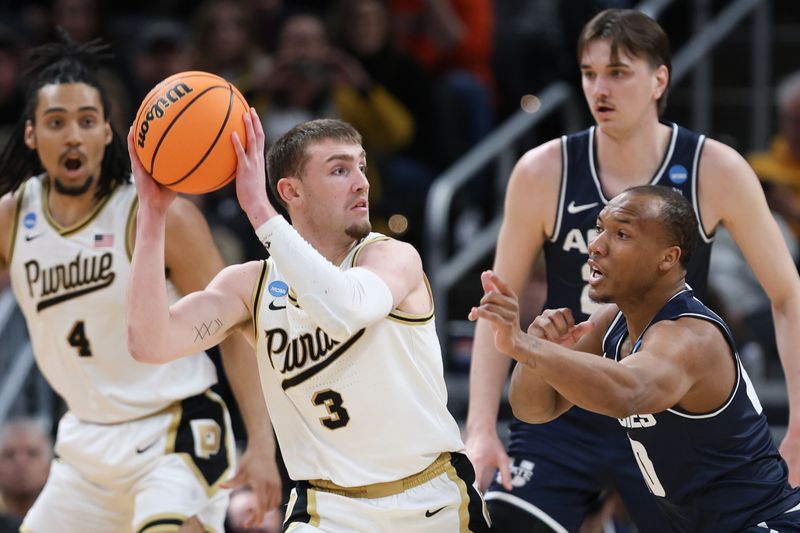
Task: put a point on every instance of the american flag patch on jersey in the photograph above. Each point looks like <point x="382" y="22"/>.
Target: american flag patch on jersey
<point x="103" y="240"/>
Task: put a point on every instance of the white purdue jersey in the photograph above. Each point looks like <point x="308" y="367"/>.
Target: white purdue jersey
<point x="71" y="284"/>
<point x="357" y="411"/>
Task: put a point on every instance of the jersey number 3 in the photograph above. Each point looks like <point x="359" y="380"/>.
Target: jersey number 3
<point x="332" y="401"/>
<point x="77" y="339"/>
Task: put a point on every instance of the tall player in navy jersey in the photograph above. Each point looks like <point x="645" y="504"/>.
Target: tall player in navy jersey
<point x="554" y="195"/>
<point x="669" y="372"/>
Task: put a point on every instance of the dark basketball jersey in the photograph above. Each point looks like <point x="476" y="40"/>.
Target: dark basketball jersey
<point x="710" y="472"/>
<point x="581" y="198"/>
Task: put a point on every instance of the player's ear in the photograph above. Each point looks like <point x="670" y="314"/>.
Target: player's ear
<point x="288" y="190"/>
<point x="29" y="135"/>
<point x="109" y="133"/>
<point x="671" y="258"/>
<point x="662" y="81"/>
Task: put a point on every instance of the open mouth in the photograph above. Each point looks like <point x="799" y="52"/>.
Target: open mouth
<point x="595" y="274"/>
<point x="72" y="164"/>
<point x="360" y="205"/>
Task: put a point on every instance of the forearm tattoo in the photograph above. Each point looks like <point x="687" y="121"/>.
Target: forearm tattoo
<point x="207" y="329"/>
<point x="531" y="346"/>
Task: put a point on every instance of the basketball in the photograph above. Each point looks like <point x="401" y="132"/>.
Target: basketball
<point x="182" y="131"/>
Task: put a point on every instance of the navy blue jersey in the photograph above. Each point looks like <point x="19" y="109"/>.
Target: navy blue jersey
<point x="710" y="472"/>
<point x="581" y="198"/>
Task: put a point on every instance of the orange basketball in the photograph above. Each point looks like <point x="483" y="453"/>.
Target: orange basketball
<point x="182" y="131"/>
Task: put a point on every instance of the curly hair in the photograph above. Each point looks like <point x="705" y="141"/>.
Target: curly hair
<point x="59" y="63"/>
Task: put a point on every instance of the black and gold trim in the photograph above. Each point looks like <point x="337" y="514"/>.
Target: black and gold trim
<point x="130" y="227"/>
<point x="396" y="315"/>
<point x="359" y="247"/>
<point x="472" y="514"/>
<point x="302" y="508"/>
<point x="411" y="319"/>
<point x="291" y="297"/>
<point x="15" y="226"/>
<point x="163" y="523"/>
<point x="441" y="465"/>
<point x="258" y="291"/>
<point x="66" y="232"/>
<point x="200" y="433"/>
<point x="168" y="522"/>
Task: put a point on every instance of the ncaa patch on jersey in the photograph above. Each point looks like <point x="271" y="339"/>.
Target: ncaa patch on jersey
<point x="278" y="289"/>
<point x="29" y="220"/>
<point x="678" y="174"/>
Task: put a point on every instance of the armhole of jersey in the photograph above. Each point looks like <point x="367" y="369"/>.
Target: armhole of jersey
<point x="129" y="232"/>
<point x="15" y="224"/>
<point x="258" y="290"/>
<point x="726" y="333"/>
<point x="402" y="317"/>
<point x="611" y="327"/>
<point x="698" y="152"/>
<point x="562" y="190"/>
<point x="360" y="247"/>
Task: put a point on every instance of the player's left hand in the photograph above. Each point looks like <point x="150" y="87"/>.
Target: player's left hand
<point x="251" y="175"/>
<point x="150" y="192"/>
<point x="558" y="326"/>
<point x="790" y="451"/>
<point x="260" y="472"/>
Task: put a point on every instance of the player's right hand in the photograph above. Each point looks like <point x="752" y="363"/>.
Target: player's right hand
<point x="558" y="326"/>
<point x="487" y="454"/>
<point x="149" y="191"/>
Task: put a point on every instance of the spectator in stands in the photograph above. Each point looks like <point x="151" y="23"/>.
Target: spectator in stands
<point x="407" y="174"/>
<point x="84" y="20"/>
<point x="25" y="454"/>
<point x="453" y="40"/>
<point x="162" y="50"/>
<point x="310" y="79"/>
<point x="223" y="44"/>
<point x="779" y="167"/>
<point x="11" y="99"/>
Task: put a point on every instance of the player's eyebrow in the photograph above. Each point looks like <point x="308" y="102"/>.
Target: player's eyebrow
<point x="64" y="109"/>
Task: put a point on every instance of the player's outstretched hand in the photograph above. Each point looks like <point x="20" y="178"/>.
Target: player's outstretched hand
<point x="558" y="326"/>
<point x="150" y="192"/>
<point x="500" y="307"/>
<point x="260" y="473"/>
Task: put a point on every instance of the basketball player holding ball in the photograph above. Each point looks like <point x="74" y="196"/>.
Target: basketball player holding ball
<point x="192" y="114"/>
<point x="142" y="448"/>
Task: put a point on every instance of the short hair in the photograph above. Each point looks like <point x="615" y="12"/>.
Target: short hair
<point x="676" y="215"/>
<point x="634" y="32"/>
<point x="288" y="155"/>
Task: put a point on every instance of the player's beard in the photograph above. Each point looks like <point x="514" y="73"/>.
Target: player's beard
<point x="359" y="230"/>
<point x="77" y="190"/>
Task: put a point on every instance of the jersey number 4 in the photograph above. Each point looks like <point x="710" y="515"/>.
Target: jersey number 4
<point x="332" y="401"/>
<point x="77" y="339"/>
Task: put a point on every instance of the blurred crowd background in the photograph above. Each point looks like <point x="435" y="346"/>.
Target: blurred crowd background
<point x="424" y="81"/>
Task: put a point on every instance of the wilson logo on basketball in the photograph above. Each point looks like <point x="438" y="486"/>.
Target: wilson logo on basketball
<point x="158" y="109"/>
